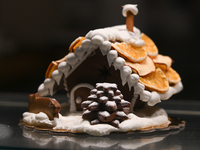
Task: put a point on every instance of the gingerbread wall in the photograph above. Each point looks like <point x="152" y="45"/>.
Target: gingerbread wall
<point x="95" y="69"/>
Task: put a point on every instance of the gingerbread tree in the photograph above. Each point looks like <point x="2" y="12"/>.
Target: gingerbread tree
<point x="105" y="105"/>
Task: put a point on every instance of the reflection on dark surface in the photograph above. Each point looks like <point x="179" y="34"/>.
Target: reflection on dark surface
<point x="5" y="131"/>
<point x="113" y="141"/>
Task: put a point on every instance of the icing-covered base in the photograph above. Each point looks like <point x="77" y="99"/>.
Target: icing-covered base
<point x="143" y="119"/>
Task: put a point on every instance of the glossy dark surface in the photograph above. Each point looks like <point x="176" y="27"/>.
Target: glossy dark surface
<point x="13" y="136"/>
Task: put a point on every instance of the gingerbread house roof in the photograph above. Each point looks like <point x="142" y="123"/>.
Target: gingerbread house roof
<point x="148" y="72"/>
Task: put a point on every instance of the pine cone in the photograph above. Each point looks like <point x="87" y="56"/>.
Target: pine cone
<point x="105" y="105"/>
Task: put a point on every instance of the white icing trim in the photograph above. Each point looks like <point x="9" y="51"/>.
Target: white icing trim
<point x="64" y="67"/>
<point x="42" y="90"/>
<point x="119" y="63"/>
<point x="133" y="101"/>
<point x="57" y="75"/>
<point x="139" y="88"/>
<point x="97" y="40"/>
<point x="72" y="59"/>
<point x="80" y="52"/>
<point x="77" y="39"/>
<point x="172" y="90"/>
<point x="155" y="98"/>
<point x="111" y="56"/>
<point x="49" y="84"/>
<point x="145" y="96"/>
<point x="72" y="100"/>
<point x="132" y="80"/>
<point x="125" y="72"/>
<point x="105" y="47"/>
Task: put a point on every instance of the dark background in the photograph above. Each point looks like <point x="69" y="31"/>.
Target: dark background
<point x="35" y="32"/>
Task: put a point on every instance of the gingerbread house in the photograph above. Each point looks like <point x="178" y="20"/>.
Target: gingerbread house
<point x="119" y="54"/>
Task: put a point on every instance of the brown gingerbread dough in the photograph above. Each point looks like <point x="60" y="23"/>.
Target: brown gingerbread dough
<point x="105" y="104"/>
<point x="49" y="106"/>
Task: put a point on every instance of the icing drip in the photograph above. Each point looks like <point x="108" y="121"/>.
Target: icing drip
<point x="57" y="75"/>
<point x="145" y="96"/>
<point x="42" y="90"/>
<point x="111" y="56"/>
<point x="155" y="98"/>
<point x="64" y="67"/>
<point x="119" y="63"/>
<point x="139" y="88"/>
<point x="125" y="73"/>
<point x="72" y="59"/>
<point x="132" y="80"/>
<point x="79" y="52"/>
<point x="133" y="102"/>
<point x="88" y="46"/>
<point x="49" y="83"/>
<point x="105" y="47"/>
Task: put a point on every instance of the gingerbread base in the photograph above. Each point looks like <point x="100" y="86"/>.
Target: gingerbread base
<point x="176" y="123"/>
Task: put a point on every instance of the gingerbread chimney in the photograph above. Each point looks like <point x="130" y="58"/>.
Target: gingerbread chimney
<point x="129" y="11"/>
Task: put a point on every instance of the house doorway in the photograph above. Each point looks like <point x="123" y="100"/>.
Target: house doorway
<point x="79" y="94"/>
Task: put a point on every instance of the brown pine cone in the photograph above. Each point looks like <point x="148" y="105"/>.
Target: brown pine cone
<point x="105" y="105"/>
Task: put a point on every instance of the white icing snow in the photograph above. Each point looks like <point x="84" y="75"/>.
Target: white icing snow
<point x="111" y="103"/>
<point x="104" y="113"/>
<point x="116" y="97"/>
<point x="74" y="122"/>
<point x="92" y="96"/>
<point x="129" y="7"/>
<point x="120" y="113"/>
<point x="94" y="104"/>
<point x="86" y="112"/>
<point x="111" y="92"/>
<point x="106" y="85"/>
<point x="93" y="91"/>
<point x="103" y="98"/>
<point x="117" y="33"/>
<point x="87" y="102"/>
<point x="99" y="92"/>
<point x="124" y="102"/>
